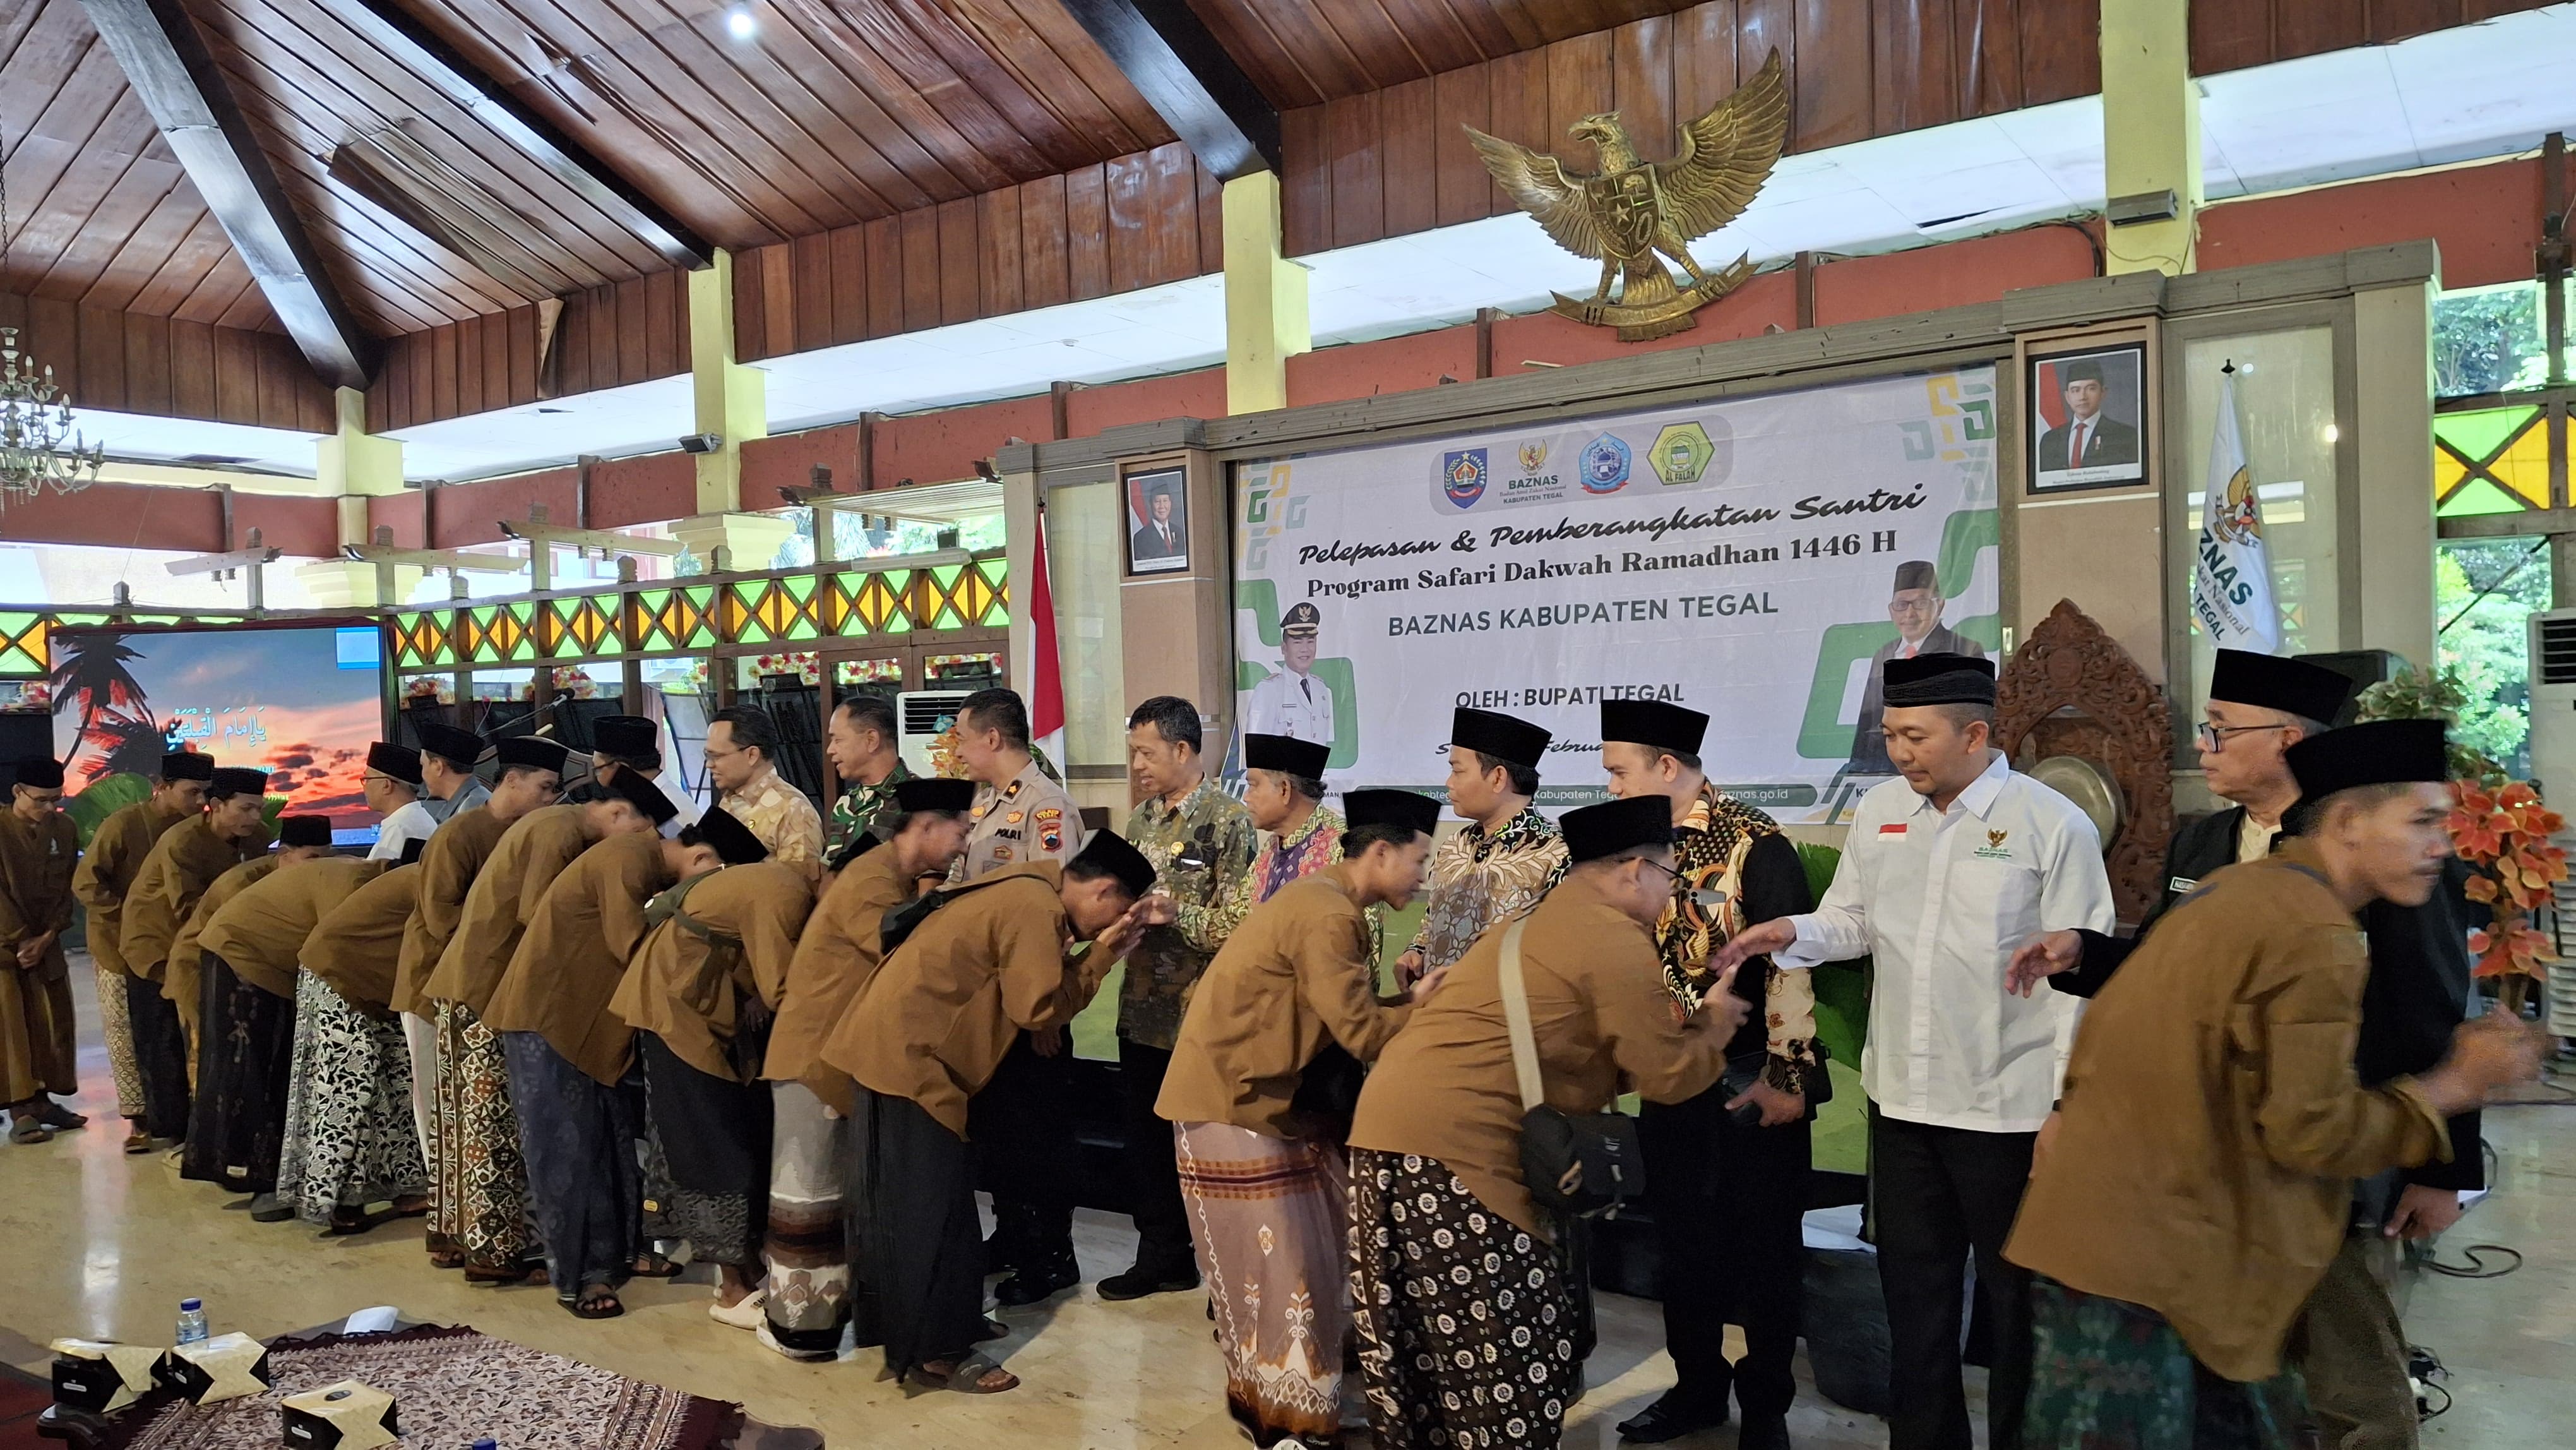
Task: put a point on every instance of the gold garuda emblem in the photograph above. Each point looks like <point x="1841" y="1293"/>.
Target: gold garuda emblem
<point x="1633" y="213"/>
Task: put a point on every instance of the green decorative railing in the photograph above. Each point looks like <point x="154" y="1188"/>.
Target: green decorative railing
<point x="821" y="603"/>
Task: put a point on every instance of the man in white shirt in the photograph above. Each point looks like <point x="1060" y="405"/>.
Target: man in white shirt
<point x="392" y="788"/>
<point x="635" y="743"/>
<point x="1293" y="702"/>
<point x="1945" y="874"/>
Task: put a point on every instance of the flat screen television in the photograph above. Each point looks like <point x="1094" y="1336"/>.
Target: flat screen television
<point x="300" y="699"/>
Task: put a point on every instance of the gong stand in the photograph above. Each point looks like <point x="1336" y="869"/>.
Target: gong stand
<point x="2072" y="691"/>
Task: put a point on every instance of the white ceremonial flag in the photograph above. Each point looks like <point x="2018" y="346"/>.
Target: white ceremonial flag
<point x="2231" y="585"/>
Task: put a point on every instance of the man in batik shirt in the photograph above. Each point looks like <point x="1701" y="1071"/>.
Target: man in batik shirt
<point x="1283" y="793"/>
<point x="861" y="744"/>
<point x="1727" y="1168"/>
<point x="1200" y="842"/>
<point x="1508" y="855"/>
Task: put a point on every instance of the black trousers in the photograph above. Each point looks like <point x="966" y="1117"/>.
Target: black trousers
<point x="1153" y="1169"/>
<point x="1021" y="1126"/>
<point x="1727" y="1202"/>
<point x="1936" y="1196"/>
<point x="160" y="1058"/>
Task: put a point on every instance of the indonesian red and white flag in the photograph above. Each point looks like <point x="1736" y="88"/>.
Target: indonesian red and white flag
<point x="1046" y="671"/>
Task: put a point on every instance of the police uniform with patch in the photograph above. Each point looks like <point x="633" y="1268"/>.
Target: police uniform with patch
<point x="1031" y="819"/>
<point x="1288" y="703"/>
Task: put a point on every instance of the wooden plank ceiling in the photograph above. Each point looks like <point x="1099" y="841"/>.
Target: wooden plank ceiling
<point x="849" y="149"/>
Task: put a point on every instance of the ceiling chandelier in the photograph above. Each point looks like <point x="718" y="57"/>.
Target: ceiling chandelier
<point x="38" y="449"/>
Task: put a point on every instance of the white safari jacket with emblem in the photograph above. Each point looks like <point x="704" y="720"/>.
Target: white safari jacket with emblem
<point x="1031" y="819"/>
<point x="1939" y="900"/>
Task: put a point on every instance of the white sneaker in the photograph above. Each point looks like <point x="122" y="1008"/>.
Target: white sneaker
<point x="747" y="1314"/>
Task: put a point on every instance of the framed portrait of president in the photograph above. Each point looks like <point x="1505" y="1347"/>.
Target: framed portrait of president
<point x="1158" y="522"/>
<point x="2088" y="418"/>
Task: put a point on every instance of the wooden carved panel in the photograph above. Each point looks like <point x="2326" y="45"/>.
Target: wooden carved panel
<point x="2072" y="690"/>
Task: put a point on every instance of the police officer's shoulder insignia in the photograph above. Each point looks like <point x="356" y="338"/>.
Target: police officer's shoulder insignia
<point x="1050" y="827"/>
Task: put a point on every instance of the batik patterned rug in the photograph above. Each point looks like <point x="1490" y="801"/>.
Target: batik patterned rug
<point x="449" y="1386"/>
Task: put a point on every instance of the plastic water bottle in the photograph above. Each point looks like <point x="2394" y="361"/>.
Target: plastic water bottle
<point x="487" y="1443"/>
<point x="192" y="1322"/>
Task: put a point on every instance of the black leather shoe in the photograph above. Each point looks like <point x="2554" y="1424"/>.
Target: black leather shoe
<point x="1031" y="1283"/>
<point x="1146" y="1279"/>
<point x="1672" y="1417"/>
<point x="1763" y="1432"/>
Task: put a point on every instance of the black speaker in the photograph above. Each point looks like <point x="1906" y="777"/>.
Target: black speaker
<point x="2364" y="667"/>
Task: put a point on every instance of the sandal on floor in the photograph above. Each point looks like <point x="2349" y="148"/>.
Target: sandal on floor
<point x="976" y="1374"/>
<point x="597" y="1302"/>
<point x="24" y="1129"/>
<point x="654" y="1266"/>
<point x="408" y="1208"/>
<point x="505" y="1278"/>
<point x="447" y="1258"/>
<point x="138" y="1142"/>
<point x="59" y="1118"/>
<point x="349" y="1222"/>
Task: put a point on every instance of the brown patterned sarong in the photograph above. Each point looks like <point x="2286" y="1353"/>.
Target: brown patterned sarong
<point x="449" y="1386"/>
<point x="480" y="1202"/>
<point x="1270" y="1219"/>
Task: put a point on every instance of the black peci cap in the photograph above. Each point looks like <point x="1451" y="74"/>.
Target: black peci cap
<point x="934" y="793"/>
<point x="2270" y="682"/>
<point x="1391" y="808"/>
<point x="1110" y="852"/>
<point x="45" y="773"/>
<point x="637" y="789"/>
<point x="1499" y="737"/>
<point x="626" y="736"/>
<point x="531" y="751"/>
<point x="1616" y="825"/>
<point x="2380" y="752"/>
<point x="1917" y="574"/>
<point x="459" y="748"/>
<point x="1656" y="724"/>
<point x="304" y="831"/>
<point x="187" y="765"/>
<point x="397" y="762"/>
<point x="1938" y="679"/>
<point x="1287" y="755"/>
<point x="233" y="780"/>
<point x="724" y="830"/>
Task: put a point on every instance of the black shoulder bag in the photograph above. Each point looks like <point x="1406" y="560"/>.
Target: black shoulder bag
<point x="1581" y="1166"/>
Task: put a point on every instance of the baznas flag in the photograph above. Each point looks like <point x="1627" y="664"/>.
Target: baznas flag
<point x="2231" y="584"/>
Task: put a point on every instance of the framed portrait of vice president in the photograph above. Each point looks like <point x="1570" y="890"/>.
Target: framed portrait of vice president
<point x="2088" y="418"/>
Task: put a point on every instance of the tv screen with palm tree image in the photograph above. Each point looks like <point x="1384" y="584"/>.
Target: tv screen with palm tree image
<point x="300" y="700"/>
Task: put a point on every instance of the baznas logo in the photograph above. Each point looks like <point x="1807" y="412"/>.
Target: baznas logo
<point x="1462" y="476"/>
<point x="1533" y="455"/>
<point x="1605" y="464"/>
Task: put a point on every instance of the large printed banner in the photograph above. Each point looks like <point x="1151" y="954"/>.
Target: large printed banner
<point x="1753" y="558"/>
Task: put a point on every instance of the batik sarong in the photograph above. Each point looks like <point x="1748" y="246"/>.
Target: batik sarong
<point x="480" y="1205"/>
<point x="1270" y="1218"/>
<point x="808" y="1294"/>
<point x="237" y="1123"/>
<point x="712" y="1134"/>
<point x="350" y="1139"/>
<point x="118" y="1028"/>
<point x="2110" y="1375"/>
<point x="924" y="1243"/>
<point x="1465" y="1328"/>
<point x="578" y="1136"/>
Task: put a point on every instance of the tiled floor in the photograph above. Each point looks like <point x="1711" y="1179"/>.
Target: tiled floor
<point x="103" y="1245"/>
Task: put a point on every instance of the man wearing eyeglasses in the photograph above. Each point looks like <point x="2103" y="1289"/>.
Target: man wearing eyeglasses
<point x="2355" y="1359"/>
<point x="1915" y="609"/>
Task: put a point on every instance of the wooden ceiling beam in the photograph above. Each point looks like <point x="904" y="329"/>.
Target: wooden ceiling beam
<point x="419" y="50"/>
<point x="170" y="68"/>
<point x="1189" y="79"/>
